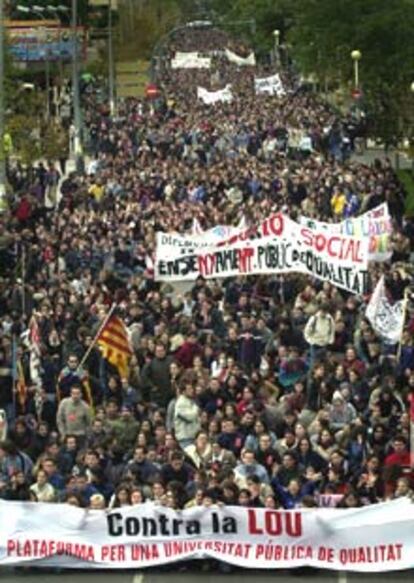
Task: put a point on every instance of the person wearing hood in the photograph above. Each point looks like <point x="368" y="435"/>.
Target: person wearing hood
<point x="341" y="413"/>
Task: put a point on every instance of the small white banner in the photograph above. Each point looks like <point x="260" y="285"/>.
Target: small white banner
<point x="208" y="97"/>
<point x="269" y="85"/>
<point x="250" y="60"/>
<point x="190" y="60"/>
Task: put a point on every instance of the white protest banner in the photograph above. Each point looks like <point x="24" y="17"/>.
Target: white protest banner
<point x="375" y="224"/>
<point x="209" y="97"/>
<point x="387" y="319"/>
<point x="269" y="85"/>
<point x="368" y="539"/>
<point x="250" y="60"/>
<point x="190" y="60"/>
<point x="278" y="245"/>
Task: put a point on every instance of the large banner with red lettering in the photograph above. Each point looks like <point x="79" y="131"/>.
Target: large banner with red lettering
<point x="372" y="538"/>
<point x="277" y="245"/>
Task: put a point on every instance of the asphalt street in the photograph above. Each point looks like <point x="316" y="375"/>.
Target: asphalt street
<point x="294" y="576"/>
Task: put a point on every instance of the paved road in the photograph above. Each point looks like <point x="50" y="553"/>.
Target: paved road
<point x="7" y="576"/>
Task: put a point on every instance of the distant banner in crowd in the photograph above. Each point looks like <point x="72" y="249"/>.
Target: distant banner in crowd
<point x="198" y="239"/>
<point x="217" y="233"/>
<point x="269" y="85"/>
<point x="375" y="224"/>
<point x="368" y="539"/>
<point x="386" y="319"/>
<point x="209" y="97"/>
<point x="278" y="245"/>
<point x="190" y="60"/>
<point x="250" y="60"/>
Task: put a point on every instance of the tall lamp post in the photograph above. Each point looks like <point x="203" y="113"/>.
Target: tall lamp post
<point x="112" y="100"/>
<point x="78" y="150"/>
<point x="412" y="171"/>
<point x="356" y="57"/>
<point x="2" y="107"/>
<point x="276" y="36"/>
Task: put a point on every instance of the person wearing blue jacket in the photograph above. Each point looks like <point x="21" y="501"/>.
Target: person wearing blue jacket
<point x="291" y="496"/>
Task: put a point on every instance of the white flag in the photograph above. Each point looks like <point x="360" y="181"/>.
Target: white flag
<point x="387" y="319"/>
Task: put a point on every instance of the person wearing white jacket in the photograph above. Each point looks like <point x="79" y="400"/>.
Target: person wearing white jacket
<point x="186" y="417"/>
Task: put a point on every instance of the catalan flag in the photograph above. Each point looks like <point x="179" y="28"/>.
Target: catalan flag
<point x="114" y="344"/>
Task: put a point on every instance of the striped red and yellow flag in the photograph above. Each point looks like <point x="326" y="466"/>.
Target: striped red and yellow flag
<point x="114" y="344"/>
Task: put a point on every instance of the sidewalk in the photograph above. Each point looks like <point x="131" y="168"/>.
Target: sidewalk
<point x="399" y="160"/>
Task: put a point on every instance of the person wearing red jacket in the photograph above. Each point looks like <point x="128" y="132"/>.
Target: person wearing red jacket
<point x="397" y="463"/>
<point x="187" y="351"/>
<point x="400" y="456"/>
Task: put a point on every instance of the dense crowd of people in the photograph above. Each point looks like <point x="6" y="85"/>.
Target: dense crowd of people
<point x="271" y="391"/>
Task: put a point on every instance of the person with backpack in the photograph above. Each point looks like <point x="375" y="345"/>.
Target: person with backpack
<point x="319" y="333"/>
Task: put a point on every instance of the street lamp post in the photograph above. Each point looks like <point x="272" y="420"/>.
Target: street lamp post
<point x="112" y="102"/>
<point x="76" y="93"/>
<point x="276" y="36"/>
<point x="412" y="171"/>
<point x="356" y="57"/>
<point x="2" y="107"/>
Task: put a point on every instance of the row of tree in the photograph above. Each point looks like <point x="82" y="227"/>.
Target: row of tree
<point x="320" y="36"/>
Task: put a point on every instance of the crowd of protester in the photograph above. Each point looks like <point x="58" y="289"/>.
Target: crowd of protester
<point x="270" y="391"/>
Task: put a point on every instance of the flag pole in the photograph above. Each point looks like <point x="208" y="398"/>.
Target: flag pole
<point x="24" y="280"/>
<point x="404" y="315"/>
<point x="411" y="404"/>
<point x="95" y="340"/>
<point x="14" y="373"/>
